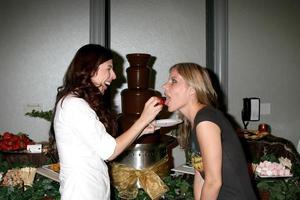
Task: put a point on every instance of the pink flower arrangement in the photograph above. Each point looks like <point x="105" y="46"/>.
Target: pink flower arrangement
<point x="286" y="162"/>
<point x="267" y="168"/>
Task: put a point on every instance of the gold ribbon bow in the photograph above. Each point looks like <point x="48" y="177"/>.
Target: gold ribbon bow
<point x="125" y="179"/>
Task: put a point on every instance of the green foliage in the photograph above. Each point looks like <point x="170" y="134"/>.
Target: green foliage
<point x="46" y="115"/>
<point x="142" y="195"/>
<point x="179" y="189"/>
<point x="269" y="157"/>
<point x="3" y="164"/>
<point x="281" y="189"/>
<point x="41" y="188"/>
<point x="296" y="170"/>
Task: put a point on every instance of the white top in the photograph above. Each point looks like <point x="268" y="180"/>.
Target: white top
<point x="83" y="146"/>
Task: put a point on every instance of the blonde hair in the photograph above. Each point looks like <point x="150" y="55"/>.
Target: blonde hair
<point x="197" y="77"/>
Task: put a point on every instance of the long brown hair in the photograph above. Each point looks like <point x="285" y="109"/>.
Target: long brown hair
<point x="197" y="77"/>
<point x="77" y="81"/>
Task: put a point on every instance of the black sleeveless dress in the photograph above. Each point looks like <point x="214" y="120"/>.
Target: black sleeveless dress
<point x="236" y="184"/>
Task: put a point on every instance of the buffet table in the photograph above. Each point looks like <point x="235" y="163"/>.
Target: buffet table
<point x="272" y="147"/>
<point x="257" y="149"/>
<point x="270" y="144"/>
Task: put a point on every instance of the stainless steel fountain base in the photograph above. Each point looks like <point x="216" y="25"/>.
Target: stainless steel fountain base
<point x="140" y="156"/>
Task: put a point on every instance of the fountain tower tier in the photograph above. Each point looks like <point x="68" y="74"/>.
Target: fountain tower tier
<point x="137" y="94"/>
<point x="133" y="100"/>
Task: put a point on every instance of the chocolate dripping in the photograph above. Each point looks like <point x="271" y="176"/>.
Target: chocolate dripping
<point x="135" y="96"/>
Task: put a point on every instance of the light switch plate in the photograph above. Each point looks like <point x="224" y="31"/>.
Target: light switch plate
<point x="265" y="108"/>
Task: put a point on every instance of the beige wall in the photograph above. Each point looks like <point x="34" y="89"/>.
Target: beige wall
<point x="37" y="41"/>
<point x="264" y="61"/>
<point x="171" y="31"/>
<point x="39" y="38"/>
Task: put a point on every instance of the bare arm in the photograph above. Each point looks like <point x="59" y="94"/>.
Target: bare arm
<point x="151" y="109"/>
<point x="198" y="184"/>
<point x="209" y="138"/>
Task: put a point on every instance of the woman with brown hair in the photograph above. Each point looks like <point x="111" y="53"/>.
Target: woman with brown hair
<point x="83" y="125"/>
<point x="217" y="155"/>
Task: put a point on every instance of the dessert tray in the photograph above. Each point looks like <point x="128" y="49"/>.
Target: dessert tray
<point x="167" y="122"/>
<point x="255" y="135"/>
<point x="49" y="172"/>
<point x="184" y="169"/>
<point x="273" y="176"/>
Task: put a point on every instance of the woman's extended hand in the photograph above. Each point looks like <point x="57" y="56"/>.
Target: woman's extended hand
<point x="151" y="109"/>
<point x="151" y="128"/>
<point x="142" y="126"/>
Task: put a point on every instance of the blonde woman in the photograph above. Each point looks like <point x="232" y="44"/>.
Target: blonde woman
<point x="217" y="155"/>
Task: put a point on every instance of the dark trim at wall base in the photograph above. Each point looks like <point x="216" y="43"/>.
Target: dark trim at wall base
<point x="100" y="22"/>
<point x="100" y="31"/>
<point x="217" y="43"/>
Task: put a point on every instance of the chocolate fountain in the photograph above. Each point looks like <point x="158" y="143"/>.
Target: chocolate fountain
<point x="148" y="149"/>
<point x="138" y="92"/>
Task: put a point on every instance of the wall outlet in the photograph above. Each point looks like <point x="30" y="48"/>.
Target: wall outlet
<point x="32" y="106"/>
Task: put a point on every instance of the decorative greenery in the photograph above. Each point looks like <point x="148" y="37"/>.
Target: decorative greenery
<point x="296" y="170"/>
<point x="42" y="188"/>
<point x="3" y="164"/>
<point x="180" y="189"/>
<point x="281" y="188"/>
<point x="46" y="115"/>
<point x="269" y="157"/>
